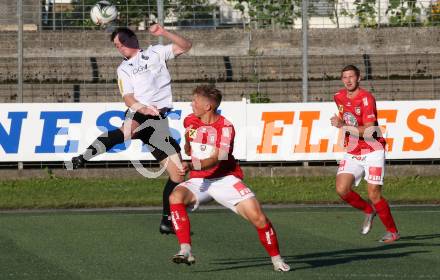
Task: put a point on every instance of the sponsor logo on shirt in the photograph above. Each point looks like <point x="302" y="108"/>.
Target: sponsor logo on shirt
<point x="139" y="69"/>
<point x="359" y="158"/>
<point x="365" y="101"/>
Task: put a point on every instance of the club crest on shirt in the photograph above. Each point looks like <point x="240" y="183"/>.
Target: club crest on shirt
<point x="202" y="148"/>
<point x="341" y="108"/>
<point x="192" y="133"/>
<point x="357" y="110"/>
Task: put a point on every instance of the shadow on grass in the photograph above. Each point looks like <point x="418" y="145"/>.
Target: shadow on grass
<point x="329" y="258"/>
<point x="421" y="237"/>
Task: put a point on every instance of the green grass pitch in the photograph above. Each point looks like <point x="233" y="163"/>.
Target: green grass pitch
<point x="318" y="243"/>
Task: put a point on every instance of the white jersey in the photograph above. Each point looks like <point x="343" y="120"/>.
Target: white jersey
<point x="146" y="76"/>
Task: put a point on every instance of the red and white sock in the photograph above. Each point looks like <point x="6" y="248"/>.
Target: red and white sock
<point x="269" y="240"/>
<point x="355" y="200"/>
<point x="384" y="213"/>
<point x="181" y="224"/>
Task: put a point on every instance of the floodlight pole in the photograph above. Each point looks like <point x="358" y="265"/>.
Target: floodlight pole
<point x="305" y="47"/>
<point x="305" y="65"/>
<point x="20" y="59"/>
<point x="20" y="51"/>
<point x="160" y="18"/>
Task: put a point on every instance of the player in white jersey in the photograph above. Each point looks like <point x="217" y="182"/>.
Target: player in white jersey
<point x="145" y="86"/>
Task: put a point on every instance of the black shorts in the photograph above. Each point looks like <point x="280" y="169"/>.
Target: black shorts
<point x="154" y="132"/>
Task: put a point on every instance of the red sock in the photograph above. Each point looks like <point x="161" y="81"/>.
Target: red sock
<point x="268" y="238"/>
<point x="181" y="224"/>
<point x="355" y="200"/>
<point x="384" y="213"/>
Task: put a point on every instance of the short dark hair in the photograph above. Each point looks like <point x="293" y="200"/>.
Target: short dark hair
<point x="351" y="68"/>
<point x="211" y="93"/>
<point x="126" y="36"/>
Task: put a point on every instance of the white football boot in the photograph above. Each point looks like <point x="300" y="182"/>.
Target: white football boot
<point x="368" y="223"/>
<point x="279" y="264"/>
<point x="390" y="237"/>
<point x="184" y="256"/>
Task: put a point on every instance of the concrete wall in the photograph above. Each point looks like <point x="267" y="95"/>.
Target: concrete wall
<point x="403" y="63"/>
<point x="8" y="13"/>
<point x="226" y="68"/>
<point x="238" y="42"/>
<point x="276" y="91"/>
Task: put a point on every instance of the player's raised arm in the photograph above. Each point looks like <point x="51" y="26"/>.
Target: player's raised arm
<point x="180" y="44"/>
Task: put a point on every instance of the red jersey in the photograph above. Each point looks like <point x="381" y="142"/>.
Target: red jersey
<point x="356" y="112"/>
<point x="203" y="138"/>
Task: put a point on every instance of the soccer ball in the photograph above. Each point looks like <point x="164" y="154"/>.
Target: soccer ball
<point x="103" y="12"/>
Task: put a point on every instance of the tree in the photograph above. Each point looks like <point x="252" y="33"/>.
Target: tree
<point x="263" y="13"/>
<point x="134" y="12"/>
<point x="404" y="13"/>
<point x="366" y="12"/>
<point x="193" y="12"/>
<point x="334" y="16"/>
<point x="434" y="13"/>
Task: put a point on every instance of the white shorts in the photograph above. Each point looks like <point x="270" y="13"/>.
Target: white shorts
<point x="228" y="191"/>
<point x="371" y="164"/>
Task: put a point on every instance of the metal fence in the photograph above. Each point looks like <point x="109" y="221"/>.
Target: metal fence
<point x="52" y="52"/>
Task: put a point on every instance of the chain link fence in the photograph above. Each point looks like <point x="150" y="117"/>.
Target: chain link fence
<point x="52" y="52"/>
